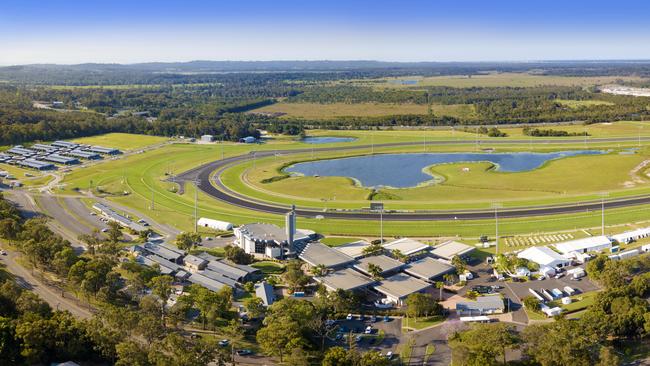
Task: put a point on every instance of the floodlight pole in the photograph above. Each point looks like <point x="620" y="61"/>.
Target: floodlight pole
<point x="602" y="204"/>
<point x="381" y="224"/>
<point x="496" y="222"/>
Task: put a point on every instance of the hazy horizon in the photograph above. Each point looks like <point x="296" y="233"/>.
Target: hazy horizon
<point x="127" y="32"/>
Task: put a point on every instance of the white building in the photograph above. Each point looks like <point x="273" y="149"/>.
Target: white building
<point x="214" y="224"/>
<point x="248" y="139"/>
<point x="407" y="246"/>
<point x="630" y="236"/>
<point x="544" y="257"/>
<point x="268" y="240"/>
<point x="207" y="138"/>
<point x="585" y="245"/>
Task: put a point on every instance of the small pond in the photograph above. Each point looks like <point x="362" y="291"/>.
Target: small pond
<point x="407" y="170"/>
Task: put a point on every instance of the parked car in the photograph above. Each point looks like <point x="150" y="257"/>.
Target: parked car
<point x="482" y="289"/>
<point x="358" y="339"/>
<point x="386" y="318"/>
<point x="244" y="352"/>
<point x="368" y="330"/>
<point x="224" y="342"/>
<point x="349" y="317"/>
<point x="373" y="318"/>
<point x="389" y="355"/>
<point x="3" y="252"/>
<point x="104" y="230"/>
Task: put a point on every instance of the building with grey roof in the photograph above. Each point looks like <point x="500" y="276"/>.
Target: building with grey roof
<point x="46" y="148"/>
<point x="353" y="249"/>
<point x="398" y="287"/>
<point x="483" y="305"/>
<point x="56" y="158"/>
<point x="104" y="150"/>
<point x="344" y="279"/>
<point x="65" y="144"/>
<point x="264" y="291"/>
<point x="218" y="277"/>
<point x="428" y="268"/>
<point x="146" y="261"/>
<point x="194" y="263"/>
<point x="450" y="249"/>
<point x="407" y="246"/>
<point x="210" y="284"/>
<point x="112" y="215"/>
<point x="19" y="150"/>
<point x="34" y="164"/>
<point x="164" y="252"/>
<point x="386" y="263"/>
<point x="316" y="253"/>
<point x="82" y="154"/>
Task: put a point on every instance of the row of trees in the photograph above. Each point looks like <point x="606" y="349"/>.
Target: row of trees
<point x="537" y="132"/>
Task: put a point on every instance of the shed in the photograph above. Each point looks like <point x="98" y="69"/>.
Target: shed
<point x="344" y="279"/>
<point x="451" y="249"/>
<point x="428" y="268"/>
<point x="590" y="244"/>
<point x="544" y="257"/>
<point x="215" y="224"/>
<point x="317" y="253"/>
<point x="407" y="246"/>
<point x="387" y="264"/>
<point x="483" y="305"/>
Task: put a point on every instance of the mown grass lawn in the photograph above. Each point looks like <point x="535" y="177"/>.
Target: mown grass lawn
<point x="268" y="267"/>
<point x="336" y="110"/>
<point x="122" y="141"/>
<point x="409" y="324"/>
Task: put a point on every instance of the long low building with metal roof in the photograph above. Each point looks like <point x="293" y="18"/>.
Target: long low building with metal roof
<point x="56" y="158"/>
<point x="19" y="150"/>
<point x="120" y="219"/>
<point x="451" y="249"/>
<point x="386" y="263"/>
<point x="407" y="246"/>
<point x="428" y="268"/>
<point x="398" y="287"/>
<point x="65" y="144"/>
<point x="316" y="253"/>
<point x="104" y="150"/>
<point x="83" y="154"/>
<point x="344" y="279"/>
<point x="584" y="245"/>
<point x="35" y="164"/>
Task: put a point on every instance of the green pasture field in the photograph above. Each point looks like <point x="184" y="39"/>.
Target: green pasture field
<point x="336" y="110"/>
<point x="38" y="178"/>
<point x="498" y="80"/>
<point x="143" y="176"/>
<point x="122" y="141"/>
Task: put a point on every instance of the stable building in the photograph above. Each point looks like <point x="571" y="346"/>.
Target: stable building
<point x="104" y="150"/>
<point x="354" y="249"/>
<point x="398" y="287"/>
<point x="406" y="246"/>
<point x="345" y="279"/>
<point x="316" y="254"/>
<point x="630" y="236"/>
<point x="451" y="249"/>
<point x="429" y="269"/>
<point x="194" y="263"/>
<point x="544" y="257"/>
<point x="214" y="224"/>
<point x="386" y="263"/>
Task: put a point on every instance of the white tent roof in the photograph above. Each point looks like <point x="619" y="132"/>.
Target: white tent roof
<point x="632" y="234"/>
<point x="544" y="256"/>
<point x="579" y="245"/>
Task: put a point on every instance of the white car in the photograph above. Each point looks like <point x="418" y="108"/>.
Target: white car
<point x="389" y="355"/>
<point x="349" y="317"/>
<point x="368" y="330"/>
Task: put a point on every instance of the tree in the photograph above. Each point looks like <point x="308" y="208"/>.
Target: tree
<point x="280" y="336"/>
<point x="459" y="263"/>
<point x="397" y="254"/>
<point x="418" y="305"/>
<point x="562" y="342"/>
<point x="607" y="357"/>
<point x="254" y="307"/>
<point x="338" y="356"/>
<point x="318" y="270"/>
<point x="186" y="241"/>
<point x="373" y="249"/>
<point x="531" y="303"/>
<point x="131" y="353"/>
<point x="114" y="232"/>
<point x="9" y="345"/>
<point x="482" y="344"/>
<point x="374" y="358"/>
<point x="238" y="255"/>
<point x="161" y="286"/>
<point x="375" y="271"/>
<point x="440" y="286"/>
<point x="294" y="276"/>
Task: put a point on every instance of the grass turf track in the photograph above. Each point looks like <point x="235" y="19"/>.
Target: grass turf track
<point x="142" y="174"/>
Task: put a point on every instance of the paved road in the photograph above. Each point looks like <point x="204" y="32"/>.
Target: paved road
<point x="52" y="295"/>
<point x="218" y="190"/>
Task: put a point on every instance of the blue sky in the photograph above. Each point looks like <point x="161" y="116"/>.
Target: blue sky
<point x="121" y="31"/>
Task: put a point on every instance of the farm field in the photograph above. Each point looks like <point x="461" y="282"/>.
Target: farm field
<point x="122" y="141"/>
<point x="499" y="80"/>
<point x="337" y="110"/>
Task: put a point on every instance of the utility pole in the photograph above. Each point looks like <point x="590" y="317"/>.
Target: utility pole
<point x="602" y="218"/>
